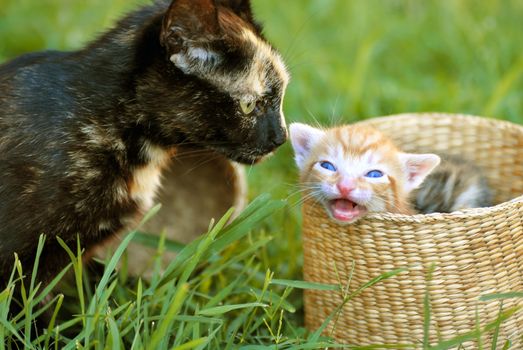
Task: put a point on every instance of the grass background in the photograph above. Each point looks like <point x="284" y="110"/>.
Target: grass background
<point x="349" y="60"/>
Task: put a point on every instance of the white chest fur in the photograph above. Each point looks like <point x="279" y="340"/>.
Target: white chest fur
<point x="147" y="179"/>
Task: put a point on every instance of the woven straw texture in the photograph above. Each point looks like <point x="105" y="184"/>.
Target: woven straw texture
<point x="475" y="251"/>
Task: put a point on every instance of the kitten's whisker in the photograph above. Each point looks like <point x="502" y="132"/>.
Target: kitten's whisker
<point x="301" y="191"/>
<point x="316" y="121"/>
<point x="315" y="194"/>
<point x="307" y="196"/>
<point x="333" y="112"/>
<point x="309" y="187"/>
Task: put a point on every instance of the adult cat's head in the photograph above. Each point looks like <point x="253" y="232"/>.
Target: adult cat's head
<point x="353" y="170"/>
<point x="224" y="81"/>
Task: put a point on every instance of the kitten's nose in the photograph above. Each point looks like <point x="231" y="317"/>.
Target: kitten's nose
<point x="346" y="186"/>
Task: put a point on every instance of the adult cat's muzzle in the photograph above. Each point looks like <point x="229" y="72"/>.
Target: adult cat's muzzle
<point x="271" y="131"/>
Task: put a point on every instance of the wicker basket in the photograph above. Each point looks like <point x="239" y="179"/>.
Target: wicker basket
<point x="475" y="251"/>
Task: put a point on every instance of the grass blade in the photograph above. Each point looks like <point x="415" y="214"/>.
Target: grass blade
<point x="219" y="310"/>
<point x="383" y="276"/>
<point x="152" y="241"/>
<point x="163" y="327"/>
<point x="304" y="284"/>
<point x="192" y="344"/>
<point x="448" y="344"/>
<point x="496" y="296"/>
<point x="426" y="308"/>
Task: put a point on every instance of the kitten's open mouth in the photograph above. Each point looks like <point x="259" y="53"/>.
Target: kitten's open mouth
<point x="346" y="210"/>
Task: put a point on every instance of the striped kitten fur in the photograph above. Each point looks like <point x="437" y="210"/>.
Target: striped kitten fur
<point x="455" y="184"/>
<point x="353" y="170"/>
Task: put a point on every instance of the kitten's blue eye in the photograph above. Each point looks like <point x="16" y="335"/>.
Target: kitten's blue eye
<point x="374" y="173"/>
<point x="328" y="165"/>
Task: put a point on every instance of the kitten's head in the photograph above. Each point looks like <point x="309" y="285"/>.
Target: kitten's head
<point x="354" y="170"/>
<point x="233" y="80"/>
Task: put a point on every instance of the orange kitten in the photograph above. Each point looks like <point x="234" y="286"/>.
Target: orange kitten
<point x="353" y="170"/>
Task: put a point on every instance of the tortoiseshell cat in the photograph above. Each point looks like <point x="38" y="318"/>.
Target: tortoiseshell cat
<point x="84" y="135"/>
<point x="353" y="170"/>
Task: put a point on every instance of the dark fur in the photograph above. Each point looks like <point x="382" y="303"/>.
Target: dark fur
<point x="122" y="88"/>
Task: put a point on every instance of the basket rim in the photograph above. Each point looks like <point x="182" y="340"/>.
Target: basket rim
<point x="465" y="214"/>
<point x="442" y="217"/>
<point x="502" y="124"/>
<point x="455" y="215"/>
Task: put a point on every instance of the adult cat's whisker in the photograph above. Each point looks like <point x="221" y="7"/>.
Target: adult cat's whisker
<point x="185" y="157"/>
<point x="287" y="54"/>
<point x="249" y="171"/>
<point x="191" y="152"/>
<point x="203" y="162"/>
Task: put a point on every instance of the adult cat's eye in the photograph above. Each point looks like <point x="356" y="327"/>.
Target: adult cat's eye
<point x="328" y="165"/>
<point x="374" y="173"/>
<point x="247" y="106"/>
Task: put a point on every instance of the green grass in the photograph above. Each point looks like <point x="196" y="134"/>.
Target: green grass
<point x="350" y="60"/>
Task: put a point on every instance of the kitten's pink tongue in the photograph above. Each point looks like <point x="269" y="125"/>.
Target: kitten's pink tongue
<point x="345" y="210"/>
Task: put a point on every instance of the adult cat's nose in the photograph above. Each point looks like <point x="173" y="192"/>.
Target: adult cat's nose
<point x="346" y="186"/>
<point x="274" y="129"/>
<point x="280" y="137"/>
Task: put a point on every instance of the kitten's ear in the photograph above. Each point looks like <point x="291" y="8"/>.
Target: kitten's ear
<point x="418" y="166"/>
<point x="241" y="8"/>
<point x="187" y="29"/>
<point x="303" y="138"/>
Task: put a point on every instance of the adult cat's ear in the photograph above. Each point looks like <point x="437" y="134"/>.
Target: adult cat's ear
<point x="303" y="138"/>
<point x="187" y="29"/>
<point x="241" y="8"/>
<point x="418" y="166"/>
